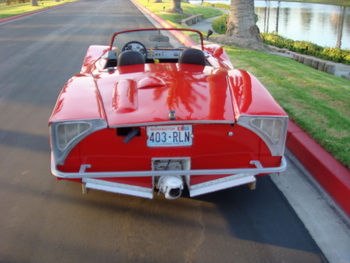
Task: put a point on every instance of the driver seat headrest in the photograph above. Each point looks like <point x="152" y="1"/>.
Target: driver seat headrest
<point x="130" y="57"/>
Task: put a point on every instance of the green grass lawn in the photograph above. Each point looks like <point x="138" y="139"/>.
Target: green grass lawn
<point x="17" y="9"/>
<point x="317" y="102"/>
<point x="161" y="10"/>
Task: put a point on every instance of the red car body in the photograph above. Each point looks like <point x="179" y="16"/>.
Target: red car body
<point x="161" y="120"/>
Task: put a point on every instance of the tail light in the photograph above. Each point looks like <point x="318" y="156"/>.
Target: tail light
<point x="271" y="129"/>
<point x="67" y="134"/>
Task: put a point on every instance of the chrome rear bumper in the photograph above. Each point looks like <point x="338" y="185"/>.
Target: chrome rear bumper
<point x="259" y="169"/>
<point x="235" y="177"/>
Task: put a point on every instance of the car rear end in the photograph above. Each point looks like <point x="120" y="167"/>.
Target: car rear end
<point x="166" y="129"/>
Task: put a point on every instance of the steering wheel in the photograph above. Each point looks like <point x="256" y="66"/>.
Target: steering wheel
<point x="136" y="46"/>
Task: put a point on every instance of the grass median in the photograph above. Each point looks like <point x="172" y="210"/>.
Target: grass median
<point x="161" y="9"/>
<point x="317" y="102"/>
<point x="18" y="9"/>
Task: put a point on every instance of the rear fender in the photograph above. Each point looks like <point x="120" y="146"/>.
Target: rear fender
<point x="219" y="57"/>
<point x="79" y="99"/>
<point x="92" y="55"/>
<point x="256" y="110"/>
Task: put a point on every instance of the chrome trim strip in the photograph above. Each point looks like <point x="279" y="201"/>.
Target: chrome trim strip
<point x="263" y="116"/>
<point x="220" y="184"/>
<point x="172" y="123"/>
<point x="261" y="170"/>
<point x="118" y="188"/>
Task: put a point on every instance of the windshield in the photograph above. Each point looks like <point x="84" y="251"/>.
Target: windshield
<point x="173" y="38"/>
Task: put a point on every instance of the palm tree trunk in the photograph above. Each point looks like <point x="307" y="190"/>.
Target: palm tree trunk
<point x="176" y="6"/>
<point x="241" y="21"/>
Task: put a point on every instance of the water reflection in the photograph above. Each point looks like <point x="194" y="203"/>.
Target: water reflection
<point x="325" y="25"/>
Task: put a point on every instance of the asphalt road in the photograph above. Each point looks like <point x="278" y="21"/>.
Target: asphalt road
<point x="45" y="221"/>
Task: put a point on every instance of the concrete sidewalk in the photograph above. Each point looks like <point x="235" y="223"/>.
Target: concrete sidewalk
<point x="204" y="25"/>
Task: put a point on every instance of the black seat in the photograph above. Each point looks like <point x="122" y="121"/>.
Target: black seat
<point x="192" y="56"/>
<point x="130" y="57"/>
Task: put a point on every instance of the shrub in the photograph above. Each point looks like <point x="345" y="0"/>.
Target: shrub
<point x="303" y="47"/>
<point x="218" y="5"/>
<point x="335" y="54"/>
<point x="219" y="24"/>
<point x="307" y="48"/>
<point x="347" y="56"/>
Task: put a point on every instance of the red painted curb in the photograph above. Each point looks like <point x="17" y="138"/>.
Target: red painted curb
<point x="328" y="172"/>
<point x="331" y="174"/>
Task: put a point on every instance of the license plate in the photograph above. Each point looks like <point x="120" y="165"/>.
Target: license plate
<point x="169" y="136"/>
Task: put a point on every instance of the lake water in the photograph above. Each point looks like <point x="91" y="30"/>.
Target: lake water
<point x="325" y="25"/>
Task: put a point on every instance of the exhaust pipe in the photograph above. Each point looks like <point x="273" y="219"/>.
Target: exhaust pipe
<point x="171" y="186"/>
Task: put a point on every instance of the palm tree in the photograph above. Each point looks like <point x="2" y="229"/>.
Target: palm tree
<point x="176" y="6"/>
<point x="241" y="21"/>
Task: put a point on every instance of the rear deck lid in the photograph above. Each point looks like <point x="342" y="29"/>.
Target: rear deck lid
<point x="164" y="94"/>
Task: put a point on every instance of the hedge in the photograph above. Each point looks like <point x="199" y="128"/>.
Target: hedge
<point x="219" y="24"/>
<point x="302" y="47"/>
<point x="307" y="48"/>
<point x="217" y="5"/>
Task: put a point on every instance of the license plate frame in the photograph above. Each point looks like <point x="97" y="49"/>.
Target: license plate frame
<point x="169" y="136"/>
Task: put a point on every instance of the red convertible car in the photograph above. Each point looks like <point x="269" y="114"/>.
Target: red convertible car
<point x="158" y="111"/>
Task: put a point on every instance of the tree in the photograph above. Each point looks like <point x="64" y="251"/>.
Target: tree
<point x="35" y="3"/>
<point x="241" y="21"/>
<point x="176" y="6"/>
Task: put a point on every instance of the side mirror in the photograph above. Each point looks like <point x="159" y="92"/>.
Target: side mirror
<point x="210" y="32"/>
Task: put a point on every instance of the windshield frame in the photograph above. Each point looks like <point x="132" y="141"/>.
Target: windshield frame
<point x="175" y="31"/>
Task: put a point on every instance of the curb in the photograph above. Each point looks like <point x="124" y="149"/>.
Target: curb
<point x="333" y="68"/>
<point x="327" y="171"/>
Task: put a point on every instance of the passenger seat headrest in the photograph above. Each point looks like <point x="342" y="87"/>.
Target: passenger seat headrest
<point x="192" y="56"/>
